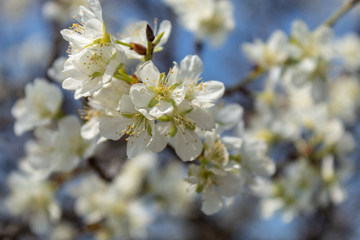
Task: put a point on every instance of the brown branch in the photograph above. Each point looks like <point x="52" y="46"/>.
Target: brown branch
<point x="240" y="87"/>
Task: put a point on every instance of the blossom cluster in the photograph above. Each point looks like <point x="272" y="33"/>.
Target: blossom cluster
<point x="116" y="159"/>
<point x="151" y="111"/>
<point x="309" y="106"/>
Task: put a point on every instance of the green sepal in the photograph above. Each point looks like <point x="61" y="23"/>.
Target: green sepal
<point x="96" y="41"/>
<point x="152" y="102"/>
<point x="158" y="38"/>
<point x="149" y="130"/>
<point x="95" y="75"/>
<point x="188" y="111"/>
<point x="199" y="188"/>
<point x="175" y="85"/>
<point x="237" y="158"/>
<point x="173" y="130"/>
<point x="128" y="115"/>
<point x="163" y="118"/>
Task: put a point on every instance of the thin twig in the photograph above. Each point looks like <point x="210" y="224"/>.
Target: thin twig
<point x="341" y="12"/>
<point x="240" y="87"/>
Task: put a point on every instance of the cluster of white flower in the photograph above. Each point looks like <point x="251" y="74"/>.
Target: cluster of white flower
<point x="305" y="105"/>
<point x="149" y="107"/>
<point x="205" y="18"/>
<point x="228" y="164"/>
<point x="125" y="207"/>
<point x="151" y="110"/>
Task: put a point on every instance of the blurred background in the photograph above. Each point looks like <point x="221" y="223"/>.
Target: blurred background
<point x="30" y="43"/>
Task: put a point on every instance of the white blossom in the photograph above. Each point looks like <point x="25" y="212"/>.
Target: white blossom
<point x="292" y="194"/>
<point x="348" y="48"/>
<point x="92" y="68"/>
<point x="344" y="98"/>
<point x="180" y="127"/>
<point x="56" y="72"/>
<point x="39" y="107"/>
<point x="58" y="150"/>
<point x="137" y="125"/>
<point x="101" y="103"/>
<point x="333" y="191"/>
<point x="316" y="52"/>
<point x="118" y="204"/>
<point x="89" y="29"/>
<point x="201" y="94"/>
<point x="206" y="18"/>
<point x="215" y="176"/>
<point x="34" y="199"/>
<point x="275" y="52"/>
<point x="157" y="93"/>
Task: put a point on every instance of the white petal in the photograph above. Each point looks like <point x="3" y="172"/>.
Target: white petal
<point x="126" y="105"/>
<point x="232" y="143"/>
<point x="148" y="74"/>
<point x="96" y="8"/>
<point x="159" y="140"/>
<point x="161" y="109"/>
<point x="229" y="116"/>
<point x="190" y="68"/>
<point x="300" y="31"/>
<point x="212" y="91"/>
<point x="230" y="184"/>
<point x="111" y="128"/>
<point x="141" y="95"/>
<point x="137" y="144"/>
<point x="165" y="26"/>
<point x="188" y="145"/>
<point x="90" y="129"/>
<point x="202" y="119"/>
<point x="71" y="84"/>
<point x="212" y="201"/>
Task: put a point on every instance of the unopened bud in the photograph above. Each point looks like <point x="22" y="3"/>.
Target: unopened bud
<point x="149" y="33"/>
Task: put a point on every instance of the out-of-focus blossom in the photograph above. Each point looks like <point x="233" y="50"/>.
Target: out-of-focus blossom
<point x="14" y="9"/>
<point x="63" y="231"/>
<point x="167" y="185"/>
<point x="39" y="107"/>
<point x="58" y="150"/>
<point x="275" y="52"/>
<point x="206" y="18"/>
<point x="101" y="103"/>
<point x="228" y="166"/>
<point x="292" y="193"/>
<point x="33" y="199"/>
<point x="61" y="11"/>
<point x="226" y="116"/>
<point x="333" y="191"/>
<point x="348" y="49"/>
<point x="118" y="204"/>
<point x="344" y="98"/>
<point x="56" y="72"/>
<point x="316" y="52"/>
